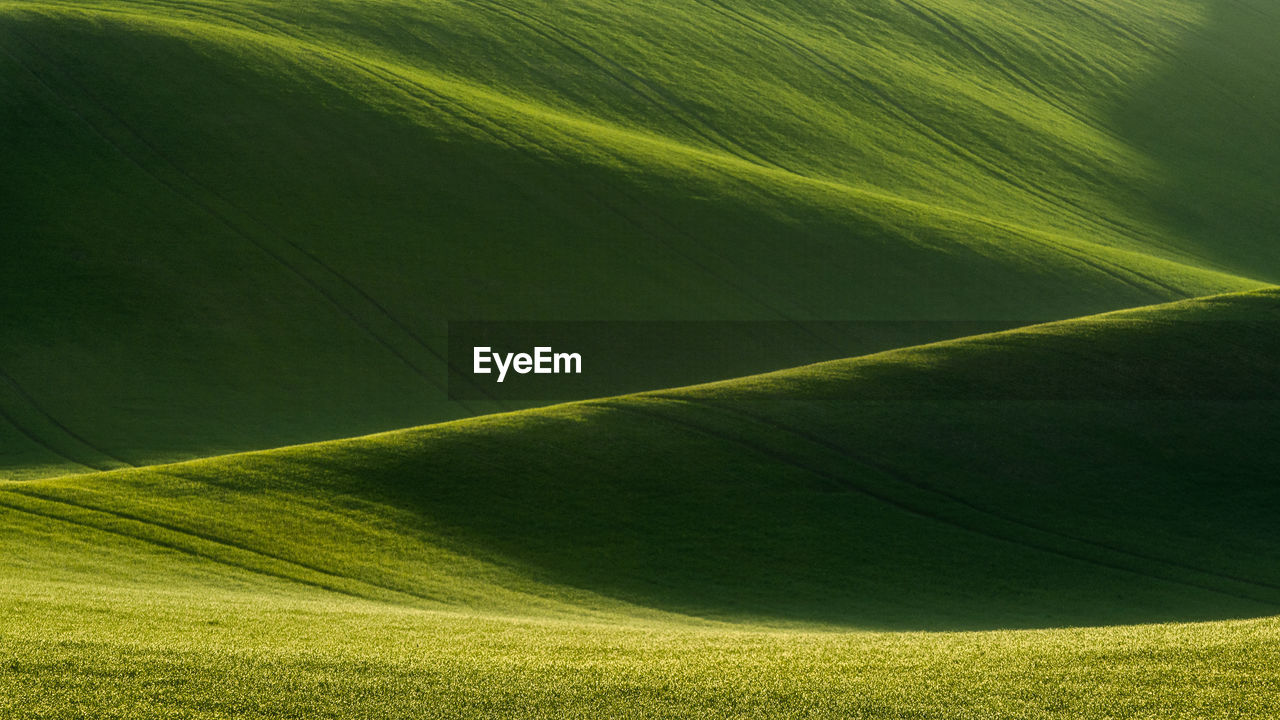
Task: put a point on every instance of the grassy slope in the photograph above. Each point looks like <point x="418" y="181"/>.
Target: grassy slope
<point x="136" y="655"/>
<point x="707" y="550"/>
<point x="240" y="224"/>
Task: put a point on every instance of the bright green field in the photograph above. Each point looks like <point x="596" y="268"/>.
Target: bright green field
<point x="228" y="226"/>
<point x="277" y="652"/>
<point x="735" y="549"/>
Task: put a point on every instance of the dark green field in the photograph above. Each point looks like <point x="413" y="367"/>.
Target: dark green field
<point x="232" y="226"/>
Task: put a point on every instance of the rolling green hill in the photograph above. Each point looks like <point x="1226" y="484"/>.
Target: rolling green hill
<point x="244" y="225"/>
<point x="727" y="549"/>
<point x="234" y="225"/>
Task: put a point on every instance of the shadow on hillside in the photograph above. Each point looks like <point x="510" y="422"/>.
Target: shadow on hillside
<point x="1020" y="515"/>
<point x="1211" y="121"/>
<point x="1111" y="475"/>
<point x="736" y="522"/>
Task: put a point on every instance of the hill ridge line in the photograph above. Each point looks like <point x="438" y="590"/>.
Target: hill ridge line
<point x="663" y="393"/>
<point x="1052" y="240"/>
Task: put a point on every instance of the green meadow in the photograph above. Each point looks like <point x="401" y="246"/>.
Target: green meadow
<point x="233" y="483"/>
<point x="987" y="527"/>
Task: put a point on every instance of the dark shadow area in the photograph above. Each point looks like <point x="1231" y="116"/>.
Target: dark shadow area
<point x="1121" y="474"/>
<point x="1211" y="120"/>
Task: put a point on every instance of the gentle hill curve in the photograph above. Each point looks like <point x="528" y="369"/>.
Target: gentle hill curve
<point x="236" y="224"/>
<point x="1113" y="469"/>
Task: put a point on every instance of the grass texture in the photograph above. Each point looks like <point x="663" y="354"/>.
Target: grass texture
<point x="234" y="224"/>
<point x="927" y="532"/>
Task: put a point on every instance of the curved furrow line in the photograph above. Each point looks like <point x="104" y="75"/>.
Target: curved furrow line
<point x="173" y="546"/>
<point x="904" y="478"/>
<point x="41" y="442"/>
<point x="655" y="96"/>
<point x="846" y="484"/>
<point x="79" y="439"/>
<point x="1114" y="23"/>
<point x="956" y="32"/>
<point x="1137" y="37"/>
<point x="838" y="73"/>
<point x="1115" y="270"/>
<point x="1068" y="57"/>
<point x="327" y="580"/>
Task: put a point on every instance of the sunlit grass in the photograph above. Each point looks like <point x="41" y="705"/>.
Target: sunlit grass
<point x="270" y="255"/>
